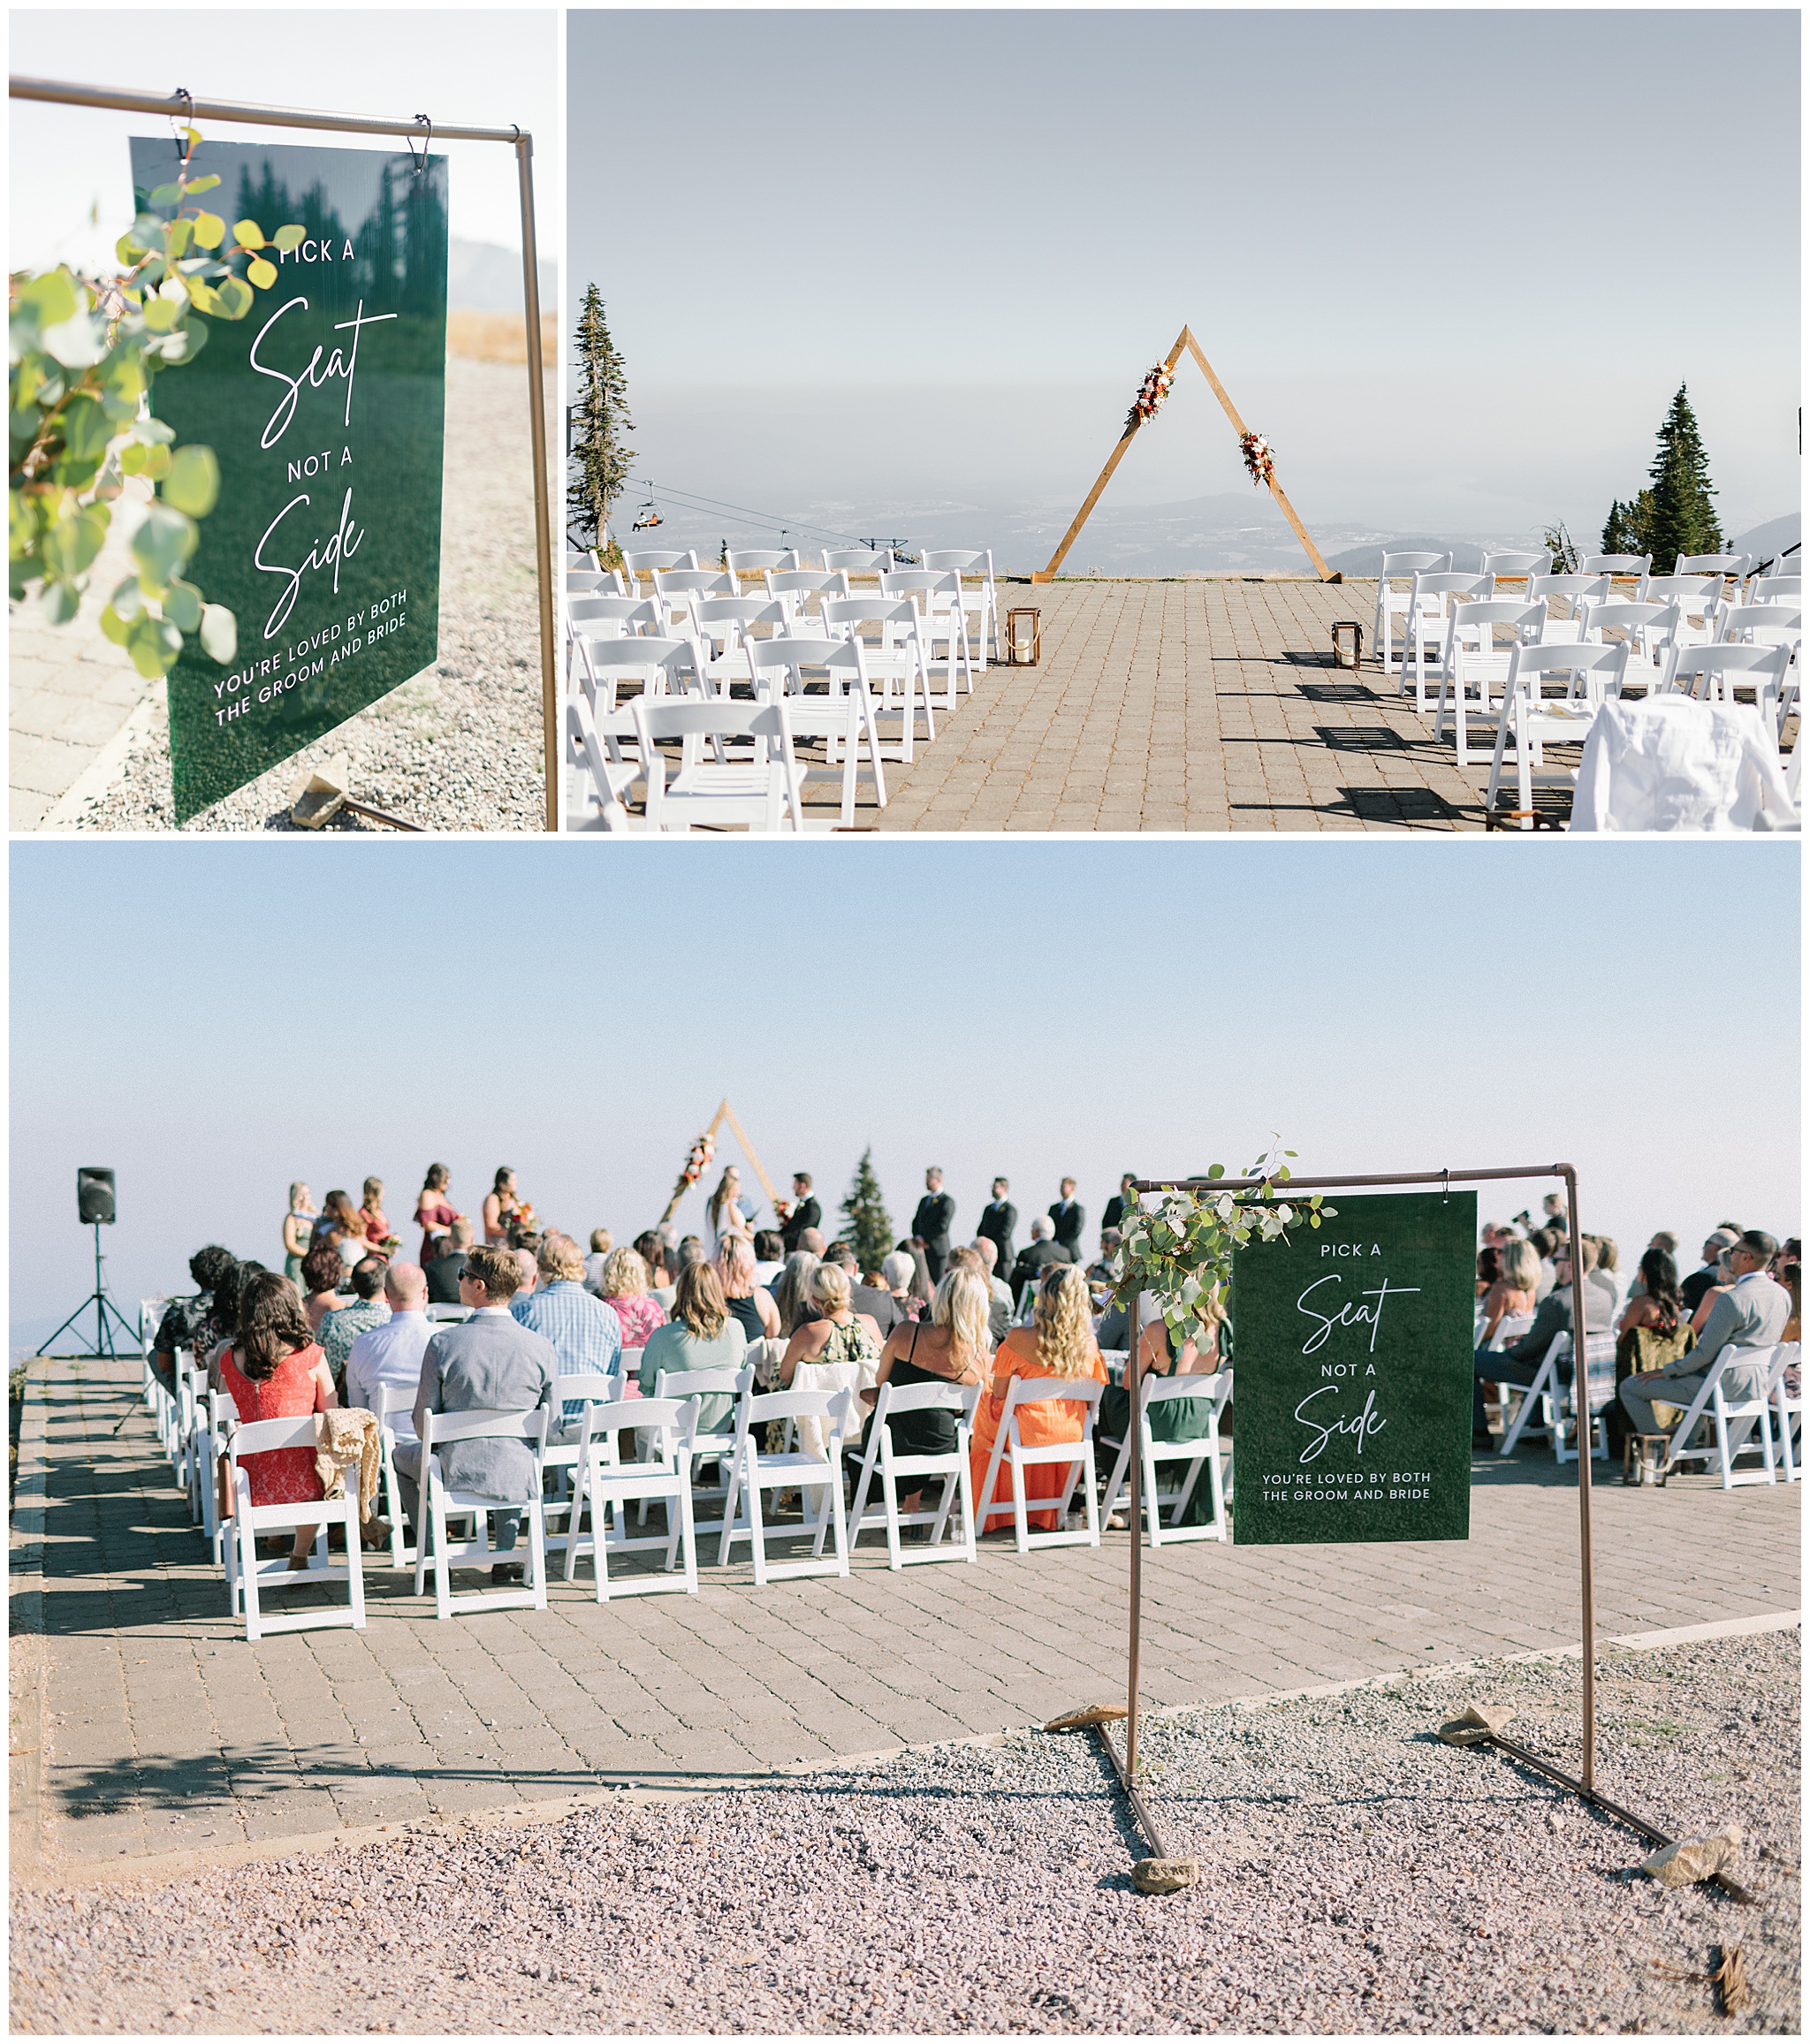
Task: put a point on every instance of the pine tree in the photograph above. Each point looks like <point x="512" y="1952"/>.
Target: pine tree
<point x="1628" y="525"/>
<point x="867" y="1227"/>
<point x="1684" y="519"/>
<point x="601" y="414"/>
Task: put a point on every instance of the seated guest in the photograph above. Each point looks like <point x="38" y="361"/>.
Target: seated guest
<point x="527" y="1270"/>
<point x="1105" y="1268"/>
<point x="1751" y="1314"/>
<point x="1701" y="1281"/>
<point x="951" y="1346"/>
<point x="626" y="1293"/>
<point x="1043" y="1251"/>
<point x="1609" y="1266"/>
<point x="339" y="1219"/>
<point x="1724" y="1282"/>
<point x="1788" y="1272"/>
<point x="749" y="1302"/>
<point x="1058" y="1342"/>
<point x="1652" y="1331"/>
<point x="969" y="1256"/>
<point x="585" y="1331"/>
<point x="701" y="1336"/>
<point x="391" y="1354"/>
<point x="1546" y="1242"/>
<point x="835" y="1337"/>
<point x="770" y="1254"/>
<point x="923" y="1284"/>
<point x="791" y="1293"/>
<point x="658" y="1258"/>
<point x="273" y="1370"/>
<point x="868" y="1299"/>
<point x="445" y="1271"/>
<point x="999" y="1314"/>
<point x="340" y="1328"/>
<point x="222" y="1324"/>
<point x="1205" y="1350"/>
<point x="602" y="1242"/>
<point x="322" y="1273"/>
<point x="898" y="1270"/>
<point x="1489" y="1268"/>
<point x="1519" y="1363"/>
<point x="1512" y="1296"/>
<point x="183" y="1318"/>
<point x="487" y="1364"/>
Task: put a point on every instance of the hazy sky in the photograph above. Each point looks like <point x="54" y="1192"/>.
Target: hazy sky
<point x="1454" y="263"/>
<point x="476" y="67"/>
<point x="213" y="1020"/>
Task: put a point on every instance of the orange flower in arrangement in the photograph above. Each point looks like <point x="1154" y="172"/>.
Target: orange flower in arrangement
<point x="1149" y="400"/>
<point x="524" y="1216"/>
<point x="1257" y="458"/>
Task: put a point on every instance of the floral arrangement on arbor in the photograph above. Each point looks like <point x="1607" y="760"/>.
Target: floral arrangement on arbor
<point x="1180" y="1250"/>
<point x="1257" y="458"/>
<point x="698" y="1162"/>
<point x="1151" y="393"/>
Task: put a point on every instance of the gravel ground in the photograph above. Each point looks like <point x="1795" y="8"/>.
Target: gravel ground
<point x="1357" y="1876"/>
<point x="458" y="748"/>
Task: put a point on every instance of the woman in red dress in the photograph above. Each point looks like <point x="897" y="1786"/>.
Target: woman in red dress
<point x="434" y="1213"/>
<point x="274" y="1370"/>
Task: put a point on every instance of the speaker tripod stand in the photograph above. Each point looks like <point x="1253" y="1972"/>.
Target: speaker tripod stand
<point x="102" y="1307"/>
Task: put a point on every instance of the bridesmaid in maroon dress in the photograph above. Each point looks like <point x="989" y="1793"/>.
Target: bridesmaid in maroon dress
<point x="274" y="1370"/>
<point x="434" y="1212"/>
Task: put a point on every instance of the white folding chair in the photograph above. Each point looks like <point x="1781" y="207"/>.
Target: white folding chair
<point x="609" y="1487"/>
<point x="858" y="560"/>
<point x="1534" y="723"/>
<point x="794" y="588"/>
<point x="1775" y="590"/>
<point x="841" y="717"/>
<point x="388" y="1400"/>
<point x="605" y="618"/>
<point x="881" y="1459"/>
<point x="893" y="660"/>
<point x="1712" y="1409"/>
<point x="762" y="795"/>
<point x="1515" y="567"/>
<point x="249" y="1579"/>
<point x="1574" y="591"/>
<point x="726" y="628"/>
<point x="1010" y="1452"/>
<point x="1199" y="1454"/>
<point x="1712" y="674"/>
<point x="676" y="590"/>
<point x="942" y="620"/>
<point x="982" y="604"/>
<point x="1734" y="565"/>
<point x="1620" y="567"/>
<point x="574" y="1395"/>
<point x="648" y="561"/>
<point x="1538" y="1411"/>
<point x="1474" y="670"/>
<point x="659" y="666"/>
<point x="440" y="1503"/>
<point x="1392" y="603"/>
<point x="1651" y="629"/>
<point x="1788" y="1408"/>
<point x="217" y="1412"/>
<point x="450" y="1313"/>
<point x="1427" y="618"/>
<point x="720" y="1443"/>
<point x="752" y="1472"/>
<point x="602" y="785"/>
<point x="757" y="561"/>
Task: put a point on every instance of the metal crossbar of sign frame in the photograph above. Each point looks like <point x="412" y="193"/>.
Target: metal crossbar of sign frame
<point x="1583" y="1786"/>
<point x="190" y="109"/>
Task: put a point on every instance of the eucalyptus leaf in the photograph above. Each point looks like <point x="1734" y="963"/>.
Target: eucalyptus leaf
<point x="154" y="645"/>
<point x="163" y="542"/>
<point x="196" y="184"/>
<point x="192" y="484"/>
<point x="60" y="600"/>
<point x="219" y="633"/>
<point x="167" y="195"/>
<point x="247" y="234"/>
<point x="182" y="605"/>
<point x="262" y="274"/>
<point x="290" y="238"/>
<point x="210" y="230"/>
<point x="233" y="297"/>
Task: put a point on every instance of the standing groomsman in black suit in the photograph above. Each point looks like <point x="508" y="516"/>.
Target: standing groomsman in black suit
<point x="802" y="1212"/>
<point x="998" y="1225"/>
<point x="932" y="1222"/>
<point x="1068" y="1219"/>
<point x="1123" y="1201"/>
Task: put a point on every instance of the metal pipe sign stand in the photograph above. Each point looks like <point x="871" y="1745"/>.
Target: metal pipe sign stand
<point x="1584" y="1783"/>
<point x="190" y="109"/>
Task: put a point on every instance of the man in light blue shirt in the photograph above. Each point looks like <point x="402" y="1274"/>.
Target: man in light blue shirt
<point x="586" y="1335"/>
<point x="391" y="1354"/>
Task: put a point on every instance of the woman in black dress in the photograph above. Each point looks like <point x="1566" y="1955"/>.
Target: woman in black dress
<point x="952" y="1347"/>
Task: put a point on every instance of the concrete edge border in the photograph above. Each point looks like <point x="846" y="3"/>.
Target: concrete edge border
<point x="166" y="1867"/>
<point x="98" y="775"/>
<point x="26" y="1647"/>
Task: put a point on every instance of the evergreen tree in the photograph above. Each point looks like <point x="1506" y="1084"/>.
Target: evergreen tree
<point x="1628" y="525"/>
<point x="1684" y="519"/>
<point x="599" y="455"/>
<point x="869" y="1228"/>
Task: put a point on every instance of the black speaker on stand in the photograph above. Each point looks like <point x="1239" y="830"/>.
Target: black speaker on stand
<point x="95" y="1205"/>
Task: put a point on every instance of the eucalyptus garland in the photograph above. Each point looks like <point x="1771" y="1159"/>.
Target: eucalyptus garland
<point x="1180" y="1250"/>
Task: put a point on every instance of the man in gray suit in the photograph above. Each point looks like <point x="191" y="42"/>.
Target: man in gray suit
<point x="488" y="1363"/>
<point x="1751" y="1314"/>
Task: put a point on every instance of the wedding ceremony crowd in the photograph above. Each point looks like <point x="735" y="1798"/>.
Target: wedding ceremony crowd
<point x="490" y="1311"/>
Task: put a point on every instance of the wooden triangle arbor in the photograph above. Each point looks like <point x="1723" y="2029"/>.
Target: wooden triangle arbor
<point x="687" y="1178"/>
<point x="1184" y="341"/>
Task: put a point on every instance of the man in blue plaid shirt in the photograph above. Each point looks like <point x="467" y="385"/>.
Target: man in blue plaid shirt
<point x="585" y="1332"/>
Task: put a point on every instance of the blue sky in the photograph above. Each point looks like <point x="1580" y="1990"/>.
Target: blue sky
<point x="322" y="1010"/>
<point x="1428" y="251"/>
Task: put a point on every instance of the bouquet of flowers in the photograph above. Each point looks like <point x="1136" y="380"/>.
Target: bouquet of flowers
<point x="523" y="1216"/>
<point x="1149" y="400"/>
<point x="1257" y="458"/>
<point x="698" y="1162"/>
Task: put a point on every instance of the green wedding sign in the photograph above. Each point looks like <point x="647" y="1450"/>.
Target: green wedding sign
<point x="325" y="407"/>
<point x="1353" y="1374"/>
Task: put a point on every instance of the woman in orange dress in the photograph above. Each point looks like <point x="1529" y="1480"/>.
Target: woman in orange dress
<point x="1058" y="1342"/>
<point x="274" y="1370"/>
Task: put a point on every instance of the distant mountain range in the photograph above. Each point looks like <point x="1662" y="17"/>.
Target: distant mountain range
<point x="483" y="278"/>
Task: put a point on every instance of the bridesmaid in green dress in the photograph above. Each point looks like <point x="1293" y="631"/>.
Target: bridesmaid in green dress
<point x="298" y="1230"/>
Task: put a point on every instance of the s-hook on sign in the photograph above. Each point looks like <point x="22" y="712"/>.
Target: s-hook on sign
<point x="325" y="407"/>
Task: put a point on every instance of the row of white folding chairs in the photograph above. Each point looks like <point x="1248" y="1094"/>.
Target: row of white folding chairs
<point x="1768" y="1422"/>
<point x="1529" y="721"/>
<point x="1630" y="572"/>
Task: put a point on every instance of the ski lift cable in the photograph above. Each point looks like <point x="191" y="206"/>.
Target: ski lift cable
<point x="764" y="520"/>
